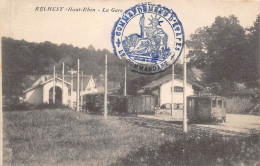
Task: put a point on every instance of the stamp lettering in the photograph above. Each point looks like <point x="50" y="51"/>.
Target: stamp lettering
<point x="152" y="46"/>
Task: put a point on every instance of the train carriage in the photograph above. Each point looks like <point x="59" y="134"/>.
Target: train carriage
<point x="206" y="108"/>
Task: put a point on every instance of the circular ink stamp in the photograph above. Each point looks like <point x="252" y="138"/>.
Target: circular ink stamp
<point x="148" y="37"/>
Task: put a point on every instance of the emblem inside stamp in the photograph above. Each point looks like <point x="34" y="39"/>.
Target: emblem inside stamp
<point x="148" y="37"/>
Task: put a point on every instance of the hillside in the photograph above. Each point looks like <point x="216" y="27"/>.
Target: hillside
<point x="21" y="58"/>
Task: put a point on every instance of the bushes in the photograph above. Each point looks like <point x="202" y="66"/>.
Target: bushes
<point x="27" y="106"/>
<point x="51" y="106"/>
<point x="198" y="149"/>
<point x="239" y="105"/>
<point x="18" y="106"/>
<point x="147" y="112"/>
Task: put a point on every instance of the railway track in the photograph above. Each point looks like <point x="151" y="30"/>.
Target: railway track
<point x="176" y="127"/>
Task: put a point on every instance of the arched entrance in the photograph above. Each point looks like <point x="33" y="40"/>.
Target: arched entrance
<point x="58" y="95"/>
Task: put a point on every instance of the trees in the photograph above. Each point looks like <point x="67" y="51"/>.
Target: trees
<point x="21" y="58"/>
<point x="224" y="52"/>
<point x="253" y="59"/>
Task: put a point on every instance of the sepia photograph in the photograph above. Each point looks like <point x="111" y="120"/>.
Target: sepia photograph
<point x="129" y="83"/>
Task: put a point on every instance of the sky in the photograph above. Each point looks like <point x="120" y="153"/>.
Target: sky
<point x="19" y="20"/>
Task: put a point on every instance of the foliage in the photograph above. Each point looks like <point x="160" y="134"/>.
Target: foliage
<point x="226" y="52"/>
<point x="18" y="106"/>
<point x="65" y="137"/>
<point x="197" y="149"/>
<point x="21" y="58"/>
<point x="39" y="58"/>
<point x="51" y="106"/>
<point x="147" y="112"/>
<point x="252" y="57"/>
<point x="24" y="106"/>
<point x="239" y="105"/>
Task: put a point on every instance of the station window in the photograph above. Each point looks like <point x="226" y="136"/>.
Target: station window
<point x="214" y="102"/>
<point x="69" y="92"/>
<point x="178" y="89"/>
<point x="219" y="103"/>
<point x="225" y="104"/>
<point x="168" y="106"/>
<point x="178" y="106"/>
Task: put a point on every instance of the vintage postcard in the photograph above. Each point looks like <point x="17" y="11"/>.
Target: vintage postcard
<point x="129" y="83"/>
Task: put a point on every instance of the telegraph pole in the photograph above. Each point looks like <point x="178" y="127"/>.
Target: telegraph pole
<point x="172" y="92"/>
<point x="125" y="83"/>
<point x="185" y="127"/>
<point x="105" y="93"/>
<point x="81" y="99"/>
<point x="78" y="87"/>
<point x="1" y="115"/>
<point x="71" y="90"/>
<point x="63" y="83"/>
<point x="54" y="84"/>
